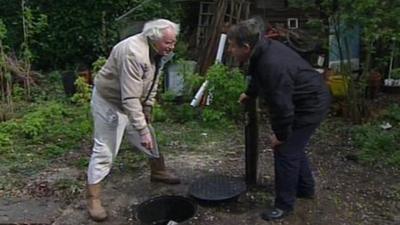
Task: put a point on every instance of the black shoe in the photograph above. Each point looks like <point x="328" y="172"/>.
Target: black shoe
<point x="274" y="214"/>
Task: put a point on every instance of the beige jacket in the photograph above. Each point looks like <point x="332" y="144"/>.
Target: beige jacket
<point x="126" y="79"/>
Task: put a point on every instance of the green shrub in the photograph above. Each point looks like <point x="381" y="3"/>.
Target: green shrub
<point x="184" y="113"/>
<point x="192" y="81"/>
<point x="395" y="74"/>
<point x="168" y="96"/>
<point x="225" y="87"/>
<point x="175" y="109"/>
<point x="5" y="139"/>
<point x="50" y="129"/>
<point x="18" y="93"/>
<point x="83" y="92"/>
<point x="377" y="145"/>
<point x="54" y="151"/>
<point x="213" y="117"/>
<point x="159" y="114"/>
<point x="41" y="120"/>
<point x="34" y="125"/>
<point x="96" y="65"/>
<point x="393" y="113"/>
<point x="50" y="87"/>
<point x="94" y="21"/>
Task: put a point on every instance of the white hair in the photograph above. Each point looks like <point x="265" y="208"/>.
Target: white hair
<point x="153" y="29"/>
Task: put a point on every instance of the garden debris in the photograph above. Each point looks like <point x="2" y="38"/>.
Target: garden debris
<point x="40" y="189"/>
<point x="386" y="126"/>
<point x="19" y="70"/>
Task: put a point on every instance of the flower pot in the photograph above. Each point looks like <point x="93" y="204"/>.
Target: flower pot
<point x="338" y="85"/>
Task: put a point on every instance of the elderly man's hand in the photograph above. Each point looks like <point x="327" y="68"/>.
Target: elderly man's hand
<point x="243" y="98"/>
<point x="274" y="141"/>
<point x="147" y="141"/>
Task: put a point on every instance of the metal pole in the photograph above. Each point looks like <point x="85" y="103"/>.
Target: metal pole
<point x="251" y="141"/>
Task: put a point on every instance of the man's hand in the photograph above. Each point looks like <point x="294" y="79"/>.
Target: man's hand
<point x="147" y="113"/>
<point x="243" y="98"/>
<point x="147" y="141"/>
<point x="274" y="142"/>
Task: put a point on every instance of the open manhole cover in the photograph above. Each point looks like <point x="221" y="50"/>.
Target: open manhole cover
<point x="217" y="188"/>
<point x="166" y="210"/>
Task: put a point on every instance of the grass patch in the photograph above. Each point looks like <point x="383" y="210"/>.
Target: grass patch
<point x="378" y="145"/>
<point x="46" y="132"/>
<point x="195" y="136"/>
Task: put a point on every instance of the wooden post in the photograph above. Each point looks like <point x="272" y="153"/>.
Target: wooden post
<point x="251" y="141"/>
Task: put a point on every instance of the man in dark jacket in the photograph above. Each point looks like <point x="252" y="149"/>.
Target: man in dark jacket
<point x="298" y="100"/>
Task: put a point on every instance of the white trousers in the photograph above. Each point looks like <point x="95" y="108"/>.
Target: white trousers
<point x="110" y="125"/>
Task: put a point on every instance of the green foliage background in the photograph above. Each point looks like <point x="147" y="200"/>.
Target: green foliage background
<point x="78" y="31"/>
<point x="378" y="146"/>
<point x="225" y="87"/>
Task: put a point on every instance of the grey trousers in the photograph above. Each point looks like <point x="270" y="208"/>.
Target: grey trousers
<point x="110" y="126"/>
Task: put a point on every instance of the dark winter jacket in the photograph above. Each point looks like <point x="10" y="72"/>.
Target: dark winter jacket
<point x="295" y="93"/>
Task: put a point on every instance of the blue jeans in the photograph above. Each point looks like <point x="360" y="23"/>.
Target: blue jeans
<point x="292" y="170"/>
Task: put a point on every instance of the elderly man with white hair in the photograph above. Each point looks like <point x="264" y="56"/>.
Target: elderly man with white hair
<point x="123" y="96"/>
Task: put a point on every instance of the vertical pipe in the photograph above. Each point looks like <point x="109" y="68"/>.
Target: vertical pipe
<point x="251" y="141"/>
<point x="221" y="46"/>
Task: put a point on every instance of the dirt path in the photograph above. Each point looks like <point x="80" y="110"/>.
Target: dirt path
<point x="347" y="192"/>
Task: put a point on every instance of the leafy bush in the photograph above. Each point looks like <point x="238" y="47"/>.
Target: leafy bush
<point x="40" y="131"/>
<point x="34" y="125"/>
<point x="395" y="73"/>
<point x="96" y="65"/>
<point x="213" y="117"/>
<point x="171" y="111"/>
<point x="377" y="145"/>
<point x="40" y="121"/>
<point x="83" y="92"/>
<point x="168" y="96"/>
<point x="159" y="114"/>
<point x="393" y="113"/>
<point x="225" y="87"/>
<point x="192" y="81"/>
<point x="50" y="87"/>
<point x="81" y="30"/>
<point x="185" y="113"/>
<point x="46" y="131"/>
<point x="5" y="139"/>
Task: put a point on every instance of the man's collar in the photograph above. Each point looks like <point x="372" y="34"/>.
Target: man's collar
<point x="257" y="50"/>
<point x="168" y="57"/>
<point x="152" y="50"/>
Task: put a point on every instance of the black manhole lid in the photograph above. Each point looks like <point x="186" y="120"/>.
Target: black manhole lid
<point x="217" y="188"/>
